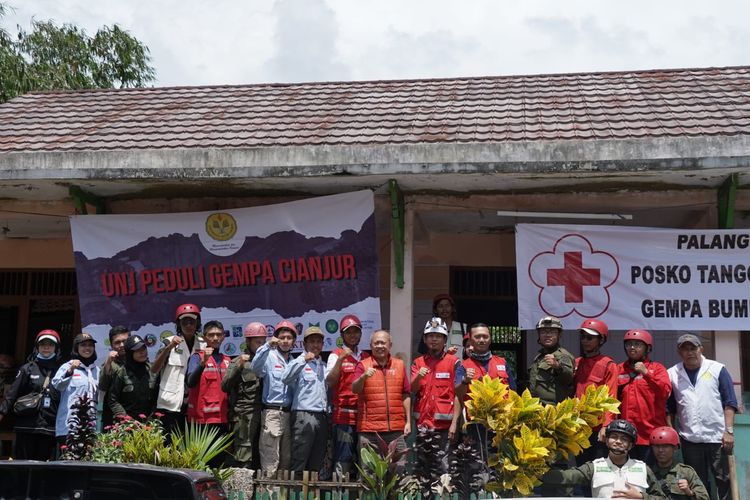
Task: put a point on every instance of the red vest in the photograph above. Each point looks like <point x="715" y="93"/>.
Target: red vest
<point x="498" y="368"/>
<point x="436" y="394"/>
<point x="344" y="400"/>
<point x="207" y="403"/>
<point x="381" y="407"/>
<point x="591" y="371"/>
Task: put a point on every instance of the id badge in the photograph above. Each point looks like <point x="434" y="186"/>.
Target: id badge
<point x="46" y="402"/>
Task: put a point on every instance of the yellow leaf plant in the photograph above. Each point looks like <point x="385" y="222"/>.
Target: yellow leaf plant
<point x="528" y="436"/>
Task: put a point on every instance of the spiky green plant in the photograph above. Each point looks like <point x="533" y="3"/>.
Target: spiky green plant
<point x="81" y="438"/>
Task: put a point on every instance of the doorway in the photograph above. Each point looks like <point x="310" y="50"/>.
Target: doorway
<point x="489" y="295"/>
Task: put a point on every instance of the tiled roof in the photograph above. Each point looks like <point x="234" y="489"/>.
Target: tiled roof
<point x="621" y="105"/>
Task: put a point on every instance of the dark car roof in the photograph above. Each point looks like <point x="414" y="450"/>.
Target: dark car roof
<point x="193" y="475"/>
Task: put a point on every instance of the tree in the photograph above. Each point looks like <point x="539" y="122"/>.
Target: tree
<point x="52" y="57"/>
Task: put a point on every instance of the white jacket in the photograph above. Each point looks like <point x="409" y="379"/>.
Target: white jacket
<point x="608" y="477"/>
<point x="699" y="408"/>
<point x="172" y="385"/>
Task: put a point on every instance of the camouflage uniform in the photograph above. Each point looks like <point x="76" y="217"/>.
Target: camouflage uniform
<point x="245" y="390"/>
<point x="552" y="385"/>
<point x="667" y="480"/>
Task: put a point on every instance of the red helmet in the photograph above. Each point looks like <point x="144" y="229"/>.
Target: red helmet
<point x="48" y="335"/>
<point x="595" y="327"/>
<point x="664" y="435"/>
<point x="255" y="329"/>
<point x="641" y="335"/>
<point x="285" y="324"/>
<point x="187" y="309"/>
<point x="350" y="320"/>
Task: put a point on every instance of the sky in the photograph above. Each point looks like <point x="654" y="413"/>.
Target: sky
<point x="218" y="42"/>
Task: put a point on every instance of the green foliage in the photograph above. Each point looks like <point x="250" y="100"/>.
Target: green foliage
<point x="197" y="446"/>
<point x="379" y="470"/>
<point x="529" y="436"/>
<point x="133" y="441"/>
<point x="65" y="57"/>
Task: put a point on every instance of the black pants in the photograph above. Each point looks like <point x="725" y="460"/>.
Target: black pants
<point x="172" y="421"/>
<point x="709" y="459"/>
<point x="34" y="446"/>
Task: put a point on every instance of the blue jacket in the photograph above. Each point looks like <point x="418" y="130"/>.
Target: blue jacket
<point x="270" y="364"/>
<point x="307" y="380"/>
<point x="84" y="380"/>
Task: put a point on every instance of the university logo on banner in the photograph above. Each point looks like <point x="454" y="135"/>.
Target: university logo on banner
<point x="632" y="277"/>
<point x="311" y="262"/>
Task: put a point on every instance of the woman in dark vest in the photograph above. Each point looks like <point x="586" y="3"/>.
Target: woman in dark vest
<point x="35" y="425"/>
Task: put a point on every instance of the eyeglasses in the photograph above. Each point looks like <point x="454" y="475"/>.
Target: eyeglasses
<point x="634" y="344"/>
<point x="187" y="321"/>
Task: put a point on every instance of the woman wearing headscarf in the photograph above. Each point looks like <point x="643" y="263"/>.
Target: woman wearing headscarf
<point x="35" y="423"/>
<point x="75" y="378"/>
<point x="133" y="390"/>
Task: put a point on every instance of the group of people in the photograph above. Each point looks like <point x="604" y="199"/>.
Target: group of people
<point x="283" y="410"/>
<point x="690" y="406"/>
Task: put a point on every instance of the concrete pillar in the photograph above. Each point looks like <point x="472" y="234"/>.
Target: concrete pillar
<point x="402" y="299"/>
<point x="727" y="348"/>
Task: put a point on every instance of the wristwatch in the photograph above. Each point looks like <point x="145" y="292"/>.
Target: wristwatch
<point x="730" y="430"/>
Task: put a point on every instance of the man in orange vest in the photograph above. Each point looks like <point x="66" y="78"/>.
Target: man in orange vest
<point x="208" y="404"/>
<point x="339" y="376"/>
<point x="384" y="401"/>
<point x="434" y="377"/>
<point x="595" y="368"/>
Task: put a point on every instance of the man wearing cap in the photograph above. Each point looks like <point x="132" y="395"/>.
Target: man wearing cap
<point x="245" y="398"/>
<point x="269" y="363"/>
<point x="171" y="363"/>
<point x="434" y="377"/>
<point x="115" y="361"/>
<point x="305" y="376"/>
<point x="551" y="379"/>
<point x="340" y="368"/>
<point x="703" y="398"/>
<point x="77" y="377"/>
<point x="597" y="369"/>
<point x="551" y="372"/>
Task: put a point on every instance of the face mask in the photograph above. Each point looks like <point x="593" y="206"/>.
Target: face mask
<point x="40" y="356"/>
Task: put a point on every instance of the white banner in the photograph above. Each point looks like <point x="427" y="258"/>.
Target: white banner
<point x="633" y="277"/>
<point x="310" y="261"/>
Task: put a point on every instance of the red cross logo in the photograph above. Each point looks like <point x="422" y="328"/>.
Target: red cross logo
<point x="573" y="276"/>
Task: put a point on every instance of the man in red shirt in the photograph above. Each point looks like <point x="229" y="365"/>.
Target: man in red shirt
<point x="595" y="368"/>
<point x="643" y="388"/>
<point x="434" y="377"/>
<point x="340" y="374"/>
